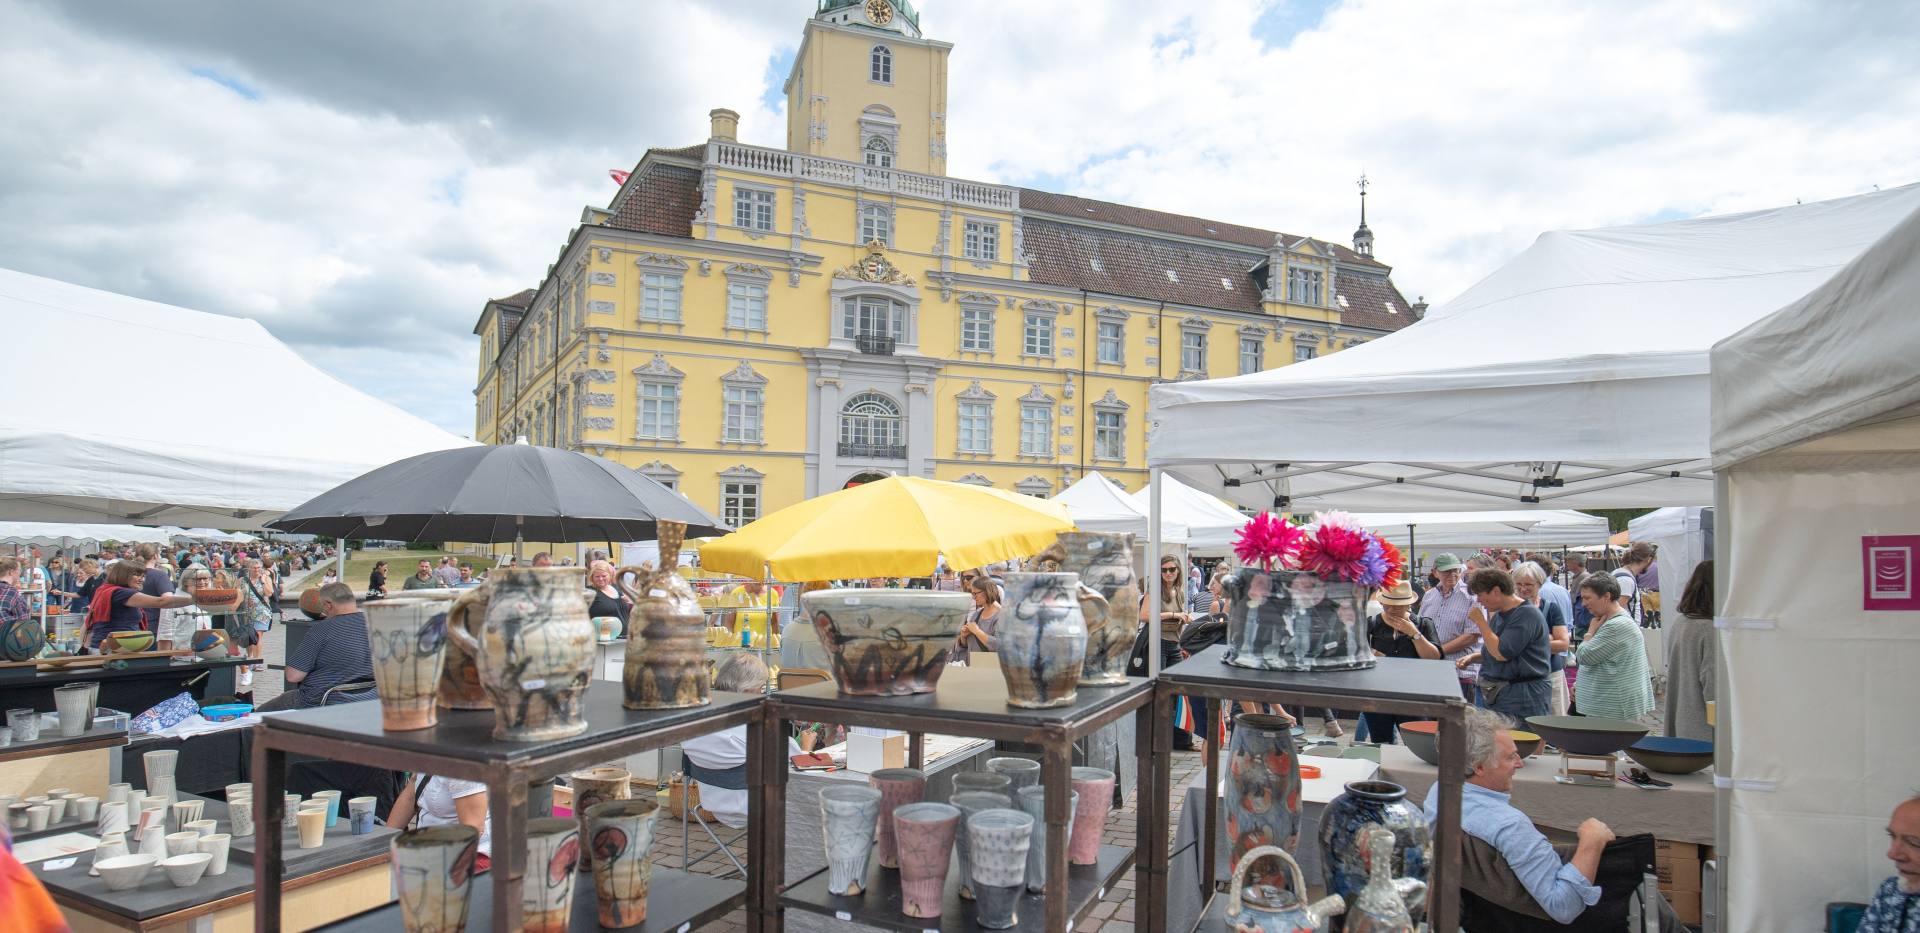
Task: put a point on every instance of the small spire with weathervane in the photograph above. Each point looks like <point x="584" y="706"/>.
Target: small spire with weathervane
<point x="1363" y="237"/>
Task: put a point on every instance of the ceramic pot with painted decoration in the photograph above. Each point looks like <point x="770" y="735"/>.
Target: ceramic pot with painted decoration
<point x="666" y="666"/>
<point x="408" y="638"/>
<point x="529" y="629"/>
<point x="1104" y="561"/>
<point x="1263" y="792"/>
<point x="887" y="642"/>
<point x="1042" y="639"/>
<point x="1291" y="620"/>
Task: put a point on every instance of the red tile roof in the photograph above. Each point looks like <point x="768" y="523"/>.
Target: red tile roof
<point x="662" y="200"/>
<point x="1071" y="207"/>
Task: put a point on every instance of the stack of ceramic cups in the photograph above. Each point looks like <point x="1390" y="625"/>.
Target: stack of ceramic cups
<point x="160" y="765"/>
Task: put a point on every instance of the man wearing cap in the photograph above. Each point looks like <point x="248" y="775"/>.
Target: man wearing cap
<point x="1395" y="634"/>
<point x="1448" y="606"/>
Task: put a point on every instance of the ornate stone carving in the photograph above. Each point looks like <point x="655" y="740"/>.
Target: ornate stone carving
<point x="597" y="399"/>
<point x="975" y="479"/>
<point x="1037" y="395"/>
<point x="661" y="261"/>
<point x="706" y="267"/>
<point x="601" y="278"/>
<point x="602" y="376"/>
<point x="744" y="374"/>
<point x="606" y="255"/>
<point x="748" y="270"/>
<point x="601" y="355"/>
<point x="597" y="423"/>
<point x="800" y="212"/>
<point x="1110" y="400"/>
<point x="874" y="267"/>
<point x="658" y="368"/>
<point x="975" y="391"/>
<point x="600" y="307"/>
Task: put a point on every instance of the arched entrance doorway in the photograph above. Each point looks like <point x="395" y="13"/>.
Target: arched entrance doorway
<point x="861" y="479"/>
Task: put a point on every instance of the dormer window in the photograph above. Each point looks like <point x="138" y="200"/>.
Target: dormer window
<point x="879" y="154"/>
<point x="880" y="65"/>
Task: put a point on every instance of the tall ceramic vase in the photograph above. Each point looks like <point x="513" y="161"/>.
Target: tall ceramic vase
<point x="529" y="629"/>
<point x="925" y="833"/>
<point x="591" y="788"/>
<point x="409" y="642"/>
<point x="1033" y="801"/>
<point x="432" y="873"/>
<point x="969" y="803"/>
<point x="887" y="642"/>
<point x="1043" y="639"/>
<point x="1094" y="788"/>
<point x="546" y="893"/>
<point x="848" y="816"/>
<point x="75" y="704"/>
<point x="621" y="833"/>
<point x="1263" y="793"/>
<point x="1291" y="620"/>
<point x="898" y="787"/>
<point x="1104" y="561"/>
<point x="666" y="666"/>
<point x="1345" y="861"/>
<point x="998" y="841"/>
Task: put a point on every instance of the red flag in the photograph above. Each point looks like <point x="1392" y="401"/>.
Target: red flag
<point x="619" y="177"/>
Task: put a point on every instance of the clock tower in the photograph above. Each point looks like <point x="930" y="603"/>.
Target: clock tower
<point x="867" y="87"/>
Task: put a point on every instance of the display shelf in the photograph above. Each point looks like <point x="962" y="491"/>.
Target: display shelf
<point x="968" y="702"/>
<point x="1401" y="686"/>
<point x="56" y="744"/>
<point x="879" y="904"/>
<point x="676" y="900"/>
<point x="461" y="745"/>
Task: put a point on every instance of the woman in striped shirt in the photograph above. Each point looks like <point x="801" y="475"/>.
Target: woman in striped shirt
<point x="1614" y="681"/>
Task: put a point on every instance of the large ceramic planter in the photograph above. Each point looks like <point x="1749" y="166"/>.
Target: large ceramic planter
<point x="1104" y="561"/>
<point x="887" y="642"/>
<point x="925" y="832"/>
<point x="1093" y="788"/>
<point x="666" y="666"/>
<point x="621" y="834"/>
<point x="848" y="816"/>
<point x="1291" y="620"/>
<point x="1033" y="801"/>
<point x="546" y="893"/>
<point x="1042" y="639"/>
<point x="408" y="638"/>
<point x="898" y="787"/>
<point x="1345" y="863"/>
<point x="592" y="788"/>
<point x="1263" y="793"/>
<point x="998" y="841"/>
<point x="970" y="803"/>
<point x="432" y="874"/>
<point x="529" y="629"/>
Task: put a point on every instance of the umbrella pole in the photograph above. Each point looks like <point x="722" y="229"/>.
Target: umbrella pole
<point x="766" y="589"/>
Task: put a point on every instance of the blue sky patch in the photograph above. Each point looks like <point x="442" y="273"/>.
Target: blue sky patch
<point x="1286" y="19"/>
<point x="229" y="82"/>
<point x="778" y="67"/>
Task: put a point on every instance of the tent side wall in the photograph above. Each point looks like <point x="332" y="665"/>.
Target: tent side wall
<point x="1804" y="822"/>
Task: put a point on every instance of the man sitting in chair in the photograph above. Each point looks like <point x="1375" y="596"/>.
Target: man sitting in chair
<point x="718" y="761"/>
<point x="336" y="652"/>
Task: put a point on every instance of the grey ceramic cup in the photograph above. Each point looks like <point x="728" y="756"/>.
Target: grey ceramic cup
<point x="1033" y="802"/>
<point x="998" y="840"/>
<point x="1023" y="772"/>
<point x="970" y="803"/>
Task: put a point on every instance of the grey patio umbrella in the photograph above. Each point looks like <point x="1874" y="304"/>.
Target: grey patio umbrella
<point x="493" y="494"/>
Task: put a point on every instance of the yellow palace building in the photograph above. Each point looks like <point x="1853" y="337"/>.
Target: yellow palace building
<point x="754" y="326"/>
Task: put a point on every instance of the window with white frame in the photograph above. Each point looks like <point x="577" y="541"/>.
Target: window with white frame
<point x="976" y="427"/>
<point x="1304" y="351"/>
<point x="1109" y="435"/>
<point x="661" y="473"/>
<point x="871" y="426"/>
<point x="1111" y="342"/>
<point x="1303" y="286"/>
<point x="872" y="316"/>
<point x="1252" y="353"/>
<point x="747" y="305"/>
<point x="981" y="240"/>
<point x="660" y="297"/>
<point x="739" y="501"/>
<point x="878" y="152"/>
<point x="976" y="328"/>
<point x="659" y="411"/>
<point x="1039" y="334"/>
<point x="876" y="223"/>
<point x="1036" y="430"/>
<point x="745" y="407"/>
<point x="1193" y="351"/>
<point x="752" y="208"/>
<point x="880" y="65"/>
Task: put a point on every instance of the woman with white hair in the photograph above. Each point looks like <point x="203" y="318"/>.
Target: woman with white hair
<point x="1528" y="580"/>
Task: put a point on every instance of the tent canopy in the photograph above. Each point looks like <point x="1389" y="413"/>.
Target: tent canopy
<point x="64" y="534"/>
<point x="1210" y="523"/>
<point x="63" y="462"/>
<point x="1097" y="503"/>
<point x="1575" y="376"/>
<point x="1537" y="529"/>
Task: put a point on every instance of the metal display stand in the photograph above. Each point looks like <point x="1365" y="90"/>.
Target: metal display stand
<point x="461" y="745"/>
<point x="1399" y="686"/>
<point x="969" y="702"/>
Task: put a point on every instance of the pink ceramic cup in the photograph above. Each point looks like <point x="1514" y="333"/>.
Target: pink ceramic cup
<point x="1095" y="787"/>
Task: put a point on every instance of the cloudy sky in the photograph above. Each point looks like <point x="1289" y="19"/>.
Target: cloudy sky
<point x="360" y="177"/>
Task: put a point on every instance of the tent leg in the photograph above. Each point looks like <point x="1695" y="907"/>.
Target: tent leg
<point x="1413" y="557"/>
<point x="1153" y="574"/>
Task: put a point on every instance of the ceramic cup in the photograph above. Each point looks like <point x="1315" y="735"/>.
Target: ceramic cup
<point x="185" y="870"/>
<point x="233" y="790"/>
<point x="217" y="845"/>
<point x="152" y="833"/>
<point x="24" y="724"/>
<point x="182" y="842"/>
<point x="74" y="703"/>
<point x="332" y="800"/>
<point x="360" y="815"/>
<point x="998" y="841"/>
<point x="293" y="809"/>
<point x="546" y="893"/>
<point x="621" y="833"/>
<point x="1021" y="772"/>
<point x="313" y="827"/>
<point x="53" y="792"/>
<point x="408" y="638"/>
<point x="992" y="782"/>
<point x="125" y="871"/>
<point x="924" y="834"/>
<point x="1033" y="802"/>
<point x="240" y="813"/>
<point x="184" y="812"/>
<point x="117" y="793"/>
<point x="969" y="803"/>
<point x="161" y="762"/>
<point x="848" y="816"/>
<point x="34" y="800"/>
<point x="37" y="816"/>
<point x="1095" y="788"/>
<point x="203" y="827"/>
<point x="56" y="809"/>
<point x="87" y="808"/>
<point x="17" y="814"/>
<point x="112" y="845"/>
<point x="432" y="871"/>
<point x="592" y="788"/>
<point x="112" y="818"/>
<point x="898" y="787"/>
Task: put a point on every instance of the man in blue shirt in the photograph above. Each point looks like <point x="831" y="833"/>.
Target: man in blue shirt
<point x="1563" y="890"/>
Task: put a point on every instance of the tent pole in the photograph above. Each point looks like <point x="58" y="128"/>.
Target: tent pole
<point x="766" y="589"/>
<point x="1152" y="616"/>
<point x="1413" y="556"/>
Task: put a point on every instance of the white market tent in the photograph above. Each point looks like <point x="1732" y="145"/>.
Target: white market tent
<point x="67" y="535"/>
<point x="1816" y="440"/>
<point x="1210" y="523"/>
<point x="1575" y="376"/>
<point x="1097" y="503"/>
<point x="1683" y="535"/>
<point x="1536" y="529"/>
<point x="65" y="456"/>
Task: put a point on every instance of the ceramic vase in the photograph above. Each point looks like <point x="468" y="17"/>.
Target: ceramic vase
<point x="970" y="803"/>
<point x="592" y="788"/>
<point x="666" y="665"/>
<point x="1033" y="802"/>
<point x="432" y="874"/>
<point x="887" y="642"/>
<point x="898" y="787"/>
<point x="1042" y="639"/>
<point x="998" y="841"/>
<point x="112" y="819"/>
<point x="1263" y="792"/>
<point x="546" y="893"/>
<point x="992" y="782"/>
<point x="75" y="705"/>
<point x="409" y="642"/>
<point x="529" y="629"/>
<point x="1345" y="862"/>
<point x="160" y="764"/>
<point x="1094" y="787"/>
<point x="925" y="834"/>
<point x="848" y="817"/>
<point x="1104" y="561"/>
<point x="621" y="833"/>
<point x="1291" y="620"/>
<point x="1381" y="906"/>
<point x="1020" y="772"/>
<point x="25" y="724"/>
<point x="162" y="789"/>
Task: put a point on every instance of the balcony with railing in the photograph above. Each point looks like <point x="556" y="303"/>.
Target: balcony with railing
<point x="780" y="162"/>
<point x="873" y="344"/>
<point x="873" y="451"/>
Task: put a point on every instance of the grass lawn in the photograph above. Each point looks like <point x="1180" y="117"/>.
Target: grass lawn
<point x="400" y="564"/>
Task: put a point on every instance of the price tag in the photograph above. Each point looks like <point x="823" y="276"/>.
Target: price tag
<point x="662" y="594"/>
<point x="55" y="864"/>
<point x="533" y="684"/>
<point x="842" y="915"/>
<point x="685" y="927"/>
<point x="853" y="600"/>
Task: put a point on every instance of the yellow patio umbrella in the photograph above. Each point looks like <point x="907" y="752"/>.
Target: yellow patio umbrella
<point x="896" y="527"/>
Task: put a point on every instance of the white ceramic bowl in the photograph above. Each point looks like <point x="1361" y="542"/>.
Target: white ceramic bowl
<point x="185" y="870"/>
<point x="126" y="871"/>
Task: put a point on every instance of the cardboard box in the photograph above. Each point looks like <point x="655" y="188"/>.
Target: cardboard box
<point x="1686" y="904"/>
<point x="1678" y="874"/>
<point x="870" y="753"/>
<point x="1667" y="848"/>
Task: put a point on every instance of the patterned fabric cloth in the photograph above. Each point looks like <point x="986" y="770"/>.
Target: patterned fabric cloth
<point x="1614" y="681"/>
<point x="335" y="652"/>
<point x="1892" y="910"/>
<point x="13" y="603"/>
<point x="1448" y="612"/>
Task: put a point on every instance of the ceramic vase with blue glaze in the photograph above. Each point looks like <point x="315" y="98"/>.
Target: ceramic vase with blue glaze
<point x="1344" y="862"/>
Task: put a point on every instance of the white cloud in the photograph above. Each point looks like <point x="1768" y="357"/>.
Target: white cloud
<point x="361" y="184"/>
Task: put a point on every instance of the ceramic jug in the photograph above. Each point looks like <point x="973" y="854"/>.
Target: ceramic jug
<point x="666" y="665"/>
<point x="1265" y="908"/>
<point x="529" y="630"/>
<point x="1042" y="639"/>
<point x="1104" y="561"/>
<point x="1381" y="906"/>
<point x="408" y="638"/>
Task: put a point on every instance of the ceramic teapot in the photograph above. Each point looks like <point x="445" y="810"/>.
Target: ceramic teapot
<point x="1264" y="908"/>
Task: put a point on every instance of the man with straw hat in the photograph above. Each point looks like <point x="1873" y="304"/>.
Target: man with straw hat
<point x="1394" y="633"/>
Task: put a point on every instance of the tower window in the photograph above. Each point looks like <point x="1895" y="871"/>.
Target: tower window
<point x="881" y="65"/>
<point x="879" y="154"/>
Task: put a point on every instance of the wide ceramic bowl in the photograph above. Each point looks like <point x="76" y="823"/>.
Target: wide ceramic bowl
<point x="1670" y="755"/>
<point x="131" y="641"/>
<point x="126" y="871"/>
<point x="1528" y="743"/>
<point x="1423" y="739"/>
<point x="210" y="644"/>
<point x="1587" y="735"/>
<point x="216" y="597"/>
<point x="887" y="642"/>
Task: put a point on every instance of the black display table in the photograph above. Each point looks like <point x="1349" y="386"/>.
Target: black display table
<point x="138" y="686"/>
<point x="676" y="900"/>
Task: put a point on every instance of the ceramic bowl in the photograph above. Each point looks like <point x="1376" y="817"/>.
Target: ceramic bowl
<point x="1669" y="755"/>
<point x="1527" y="742"/>
<point x="216" y="597"/>
<point x="123" y="872"/>
<point x="185" y="870"/>
<point x="210" y="644"/>
<point x="1423" y="739"/>
<point x="221" y="712"/>
<point x="131" y="641"/>
<point x="1587" y="735"/>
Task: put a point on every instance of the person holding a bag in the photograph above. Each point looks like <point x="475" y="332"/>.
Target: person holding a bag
<point x="255" y="587"/>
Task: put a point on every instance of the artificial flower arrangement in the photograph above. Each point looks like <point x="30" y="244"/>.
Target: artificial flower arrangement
<point x="1332" y="547"/>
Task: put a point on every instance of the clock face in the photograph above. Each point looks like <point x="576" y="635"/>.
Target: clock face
<point x="879" y="12"/>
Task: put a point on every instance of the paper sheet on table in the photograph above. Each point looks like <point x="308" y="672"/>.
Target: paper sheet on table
<point x="937" y="747"/>
<point x="198" y="725"/>
<point x="1335" y="775"/>
<point x="37" y="850"/>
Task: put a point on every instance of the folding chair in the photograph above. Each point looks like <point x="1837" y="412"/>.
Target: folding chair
<point x="349" y="693"/>
<point x="1493" y="901"/>
<point x="734" y="778"/>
